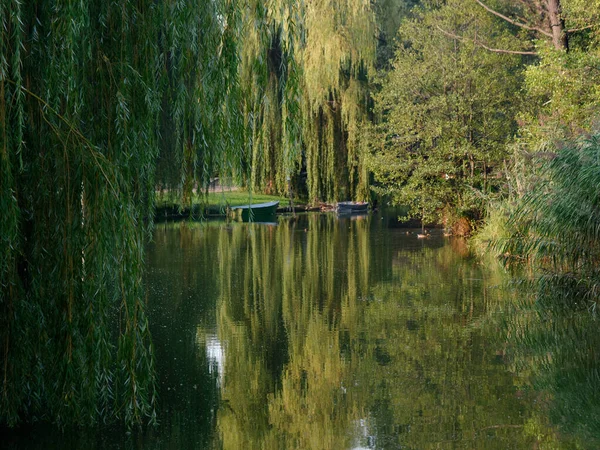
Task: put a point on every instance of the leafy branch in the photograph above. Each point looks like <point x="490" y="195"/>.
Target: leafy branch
<point x="511" y="21"/>
<point x="72" y="128"/>
<point x="480" y="44"/>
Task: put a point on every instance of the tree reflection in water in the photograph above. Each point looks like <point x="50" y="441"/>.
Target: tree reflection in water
<point x="340" y="335"/>
<point x="321" y="333"/>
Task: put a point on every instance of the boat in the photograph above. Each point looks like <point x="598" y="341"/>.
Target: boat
<point x="257" y="212"/>
<point x="352" y="207"/>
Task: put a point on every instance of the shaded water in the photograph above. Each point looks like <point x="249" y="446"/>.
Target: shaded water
<point x="329" y="333"/>
<point x="326" y="333"/>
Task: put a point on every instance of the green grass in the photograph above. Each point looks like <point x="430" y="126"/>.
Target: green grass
<point x="238" y="198"/>
<point x="222" y="199"/>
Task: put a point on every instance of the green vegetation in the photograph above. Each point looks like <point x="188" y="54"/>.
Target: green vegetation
<point x="217" y="200"/>
<point x="446" y="112"/>
<point x="556" y="224"/>
<point x="554" y="228"/>
<point x="442" y="106"/>
<point x="476" y="91"/>
<point x="103" y="103"/>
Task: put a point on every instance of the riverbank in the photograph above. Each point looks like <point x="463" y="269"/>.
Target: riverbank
<point x="215" y="204"/>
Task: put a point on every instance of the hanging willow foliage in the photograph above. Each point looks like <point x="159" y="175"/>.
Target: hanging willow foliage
<point x="270" y="81"/>
<point x="90" y="92"/>
<point x="103" y="101"/>
<point x="201" y="127"/>
<point x="338" y="56"/>
<point x="305" y="81"/>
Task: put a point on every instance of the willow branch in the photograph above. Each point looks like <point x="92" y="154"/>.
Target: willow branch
<point x="72" y="128"/>
<point x="490" y="49"/>
<point x="511" y="21"/>
<point x="574" y="30"/>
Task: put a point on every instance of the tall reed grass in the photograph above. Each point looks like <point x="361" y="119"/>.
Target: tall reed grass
<point x="556" y="226"/>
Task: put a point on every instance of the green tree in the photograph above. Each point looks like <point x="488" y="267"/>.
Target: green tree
<point x="84" y="90"/>
<point x="270" y="76"/>
<point x="305" y="75"/>
<point x="445" y="113"/>
<point x="560" y="97"/>
<point x="561" y="85"/>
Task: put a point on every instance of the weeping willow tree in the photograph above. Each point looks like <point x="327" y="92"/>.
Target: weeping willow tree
<point x="305" y="81"/>
<point x="201" y="128"/>
<point x="90" y="94"/>
<point x="100" y="103"/>
<point x="270" y="81"/>
<point x="338" y="55"/>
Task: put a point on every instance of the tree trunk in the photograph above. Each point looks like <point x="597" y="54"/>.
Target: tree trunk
<point x="557" y="25"/>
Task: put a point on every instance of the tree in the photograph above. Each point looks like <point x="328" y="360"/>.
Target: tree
<point x="305" y="83"/>
<point x="84" y="89"/>
<point x="270" y="76"/>
<point x="446" y="111"/>
<point x="561" y="95"/>
<point x="544" y="20"/>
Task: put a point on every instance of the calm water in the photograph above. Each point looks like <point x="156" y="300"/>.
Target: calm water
<point x="326" y="333"/>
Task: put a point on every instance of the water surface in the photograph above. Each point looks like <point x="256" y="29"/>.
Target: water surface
<point x="318" y="332"/>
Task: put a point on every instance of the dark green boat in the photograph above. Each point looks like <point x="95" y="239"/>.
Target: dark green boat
<point x="258" y="212"/>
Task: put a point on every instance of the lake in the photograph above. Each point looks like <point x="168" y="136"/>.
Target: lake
<point x="318" y="332"/>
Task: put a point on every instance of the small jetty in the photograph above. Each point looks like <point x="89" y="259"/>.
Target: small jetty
<point x="347" y="208"/>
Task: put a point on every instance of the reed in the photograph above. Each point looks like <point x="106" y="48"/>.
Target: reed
<point x="556" y="226"/>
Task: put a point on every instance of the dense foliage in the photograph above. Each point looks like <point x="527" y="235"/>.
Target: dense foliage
<point x="475" y="90"/>
<point x="102" y="103"/>
<point x="305" y="80"/>
<point x="85" y="89"/>
<point x="555" y="225"/>
<point x="446" y="112"/>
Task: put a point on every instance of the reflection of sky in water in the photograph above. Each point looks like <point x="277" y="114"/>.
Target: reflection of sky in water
<point x="364" y="441"/>
<point x="215" y="355"/>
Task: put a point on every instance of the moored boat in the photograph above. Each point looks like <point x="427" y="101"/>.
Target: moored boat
<point x="256" y="212"/>
<point x="352" y="207"/>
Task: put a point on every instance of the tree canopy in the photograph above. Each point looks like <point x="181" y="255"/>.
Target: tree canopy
<point x="473" y="85"/>
<point x="93" y="96"/>
<point x="103" y="103"/>
<point x="446" y="111"/>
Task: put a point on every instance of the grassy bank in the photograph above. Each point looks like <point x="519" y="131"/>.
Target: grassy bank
<point x="238" y="198"/>
<point x="214" y="203"/>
